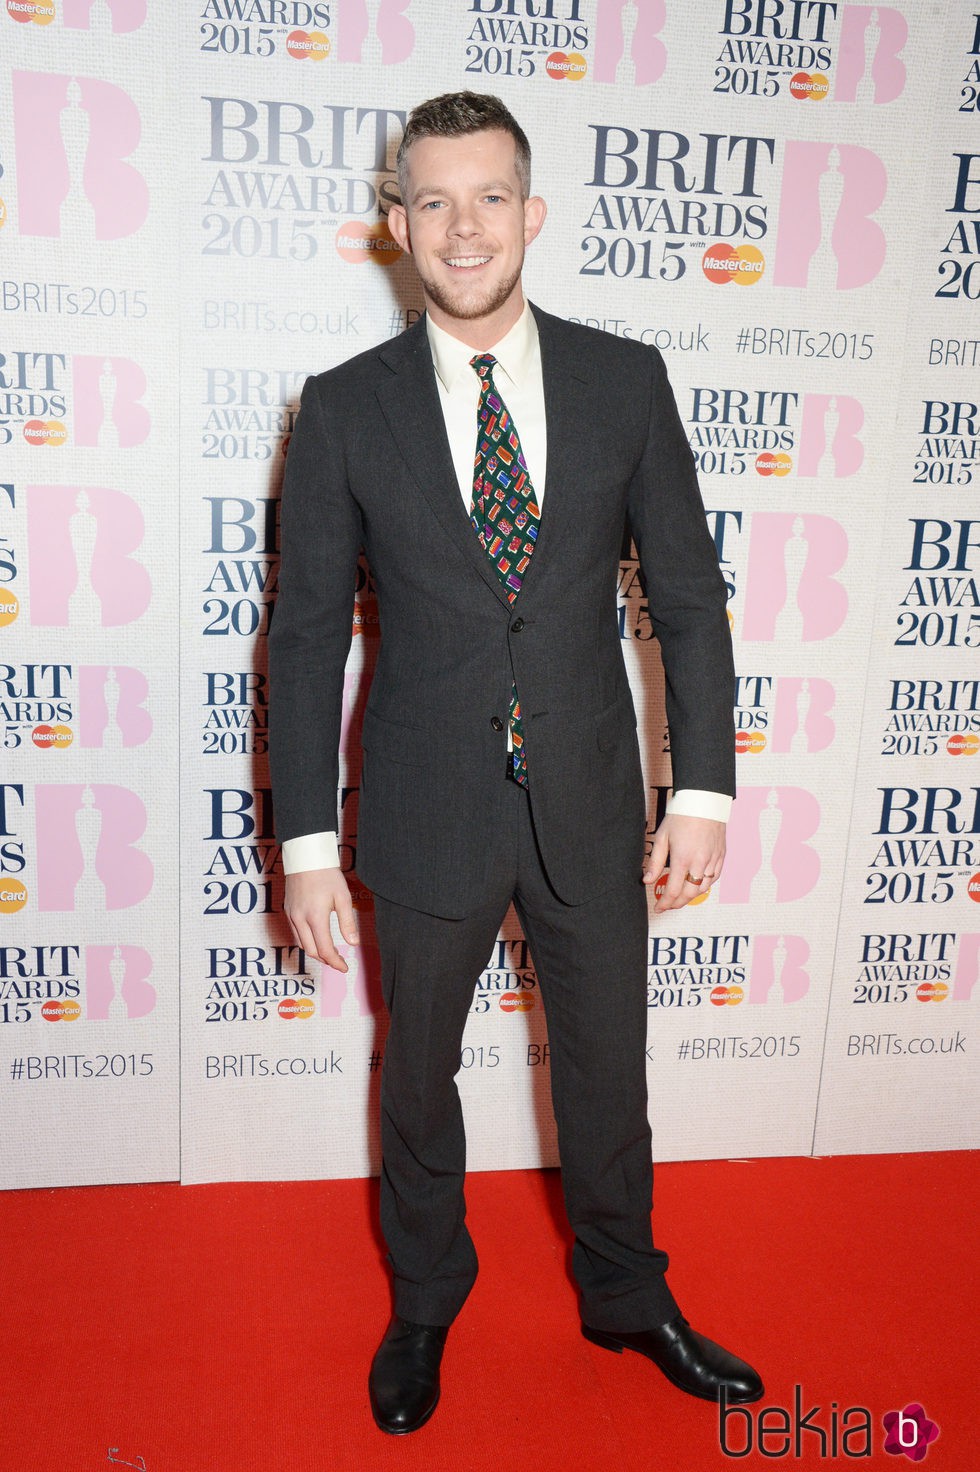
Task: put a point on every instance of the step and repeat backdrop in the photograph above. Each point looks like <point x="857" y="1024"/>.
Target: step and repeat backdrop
<point x="783" y="197"/>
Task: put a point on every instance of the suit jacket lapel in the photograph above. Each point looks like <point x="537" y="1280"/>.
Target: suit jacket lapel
<point x="410" y="403"/>
<point x="567" y="406"/>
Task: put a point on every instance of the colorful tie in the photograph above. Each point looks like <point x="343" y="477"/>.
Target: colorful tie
<point x="504" y="514"/>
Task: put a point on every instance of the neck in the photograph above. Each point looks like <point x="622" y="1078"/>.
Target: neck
<point x="478" y="333"/>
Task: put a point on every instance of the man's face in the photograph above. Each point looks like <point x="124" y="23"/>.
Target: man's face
<point x="466" y="224"/>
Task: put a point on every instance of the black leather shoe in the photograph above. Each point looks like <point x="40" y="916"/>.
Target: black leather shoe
<point x="689" y="1360"/>
<point x="404" y="1380"/>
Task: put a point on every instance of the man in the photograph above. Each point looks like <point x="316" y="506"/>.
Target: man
<point x="500" y="751"/>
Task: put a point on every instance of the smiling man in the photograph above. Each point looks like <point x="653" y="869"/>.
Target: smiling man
<point x="501" y="760"/>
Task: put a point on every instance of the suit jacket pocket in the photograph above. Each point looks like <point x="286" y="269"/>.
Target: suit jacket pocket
<point x="410" y="746"/>
<point x="615" y="722"/>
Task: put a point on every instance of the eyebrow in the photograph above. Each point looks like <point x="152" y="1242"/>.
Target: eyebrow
<point x="490" y="186"/>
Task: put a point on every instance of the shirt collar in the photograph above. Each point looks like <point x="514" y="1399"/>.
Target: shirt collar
<point x="516" y="353"/>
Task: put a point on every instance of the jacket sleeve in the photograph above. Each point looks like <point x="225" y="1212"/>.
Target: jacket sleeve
<point x="687" y="598"/>
<point x="311" y="629"/>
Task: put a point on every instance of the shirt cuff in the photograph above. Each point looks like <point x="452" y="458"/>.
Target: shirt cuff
<point x="691" y="802"/>
<point x="310" y="851"/>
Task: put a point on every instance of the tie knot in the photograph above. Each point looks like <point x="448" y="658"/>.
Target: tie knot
<point x="483" y="364"/>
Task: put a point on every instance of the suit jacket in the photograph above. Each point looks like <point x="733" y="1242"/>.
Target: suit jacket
<point x="369" y="465"/>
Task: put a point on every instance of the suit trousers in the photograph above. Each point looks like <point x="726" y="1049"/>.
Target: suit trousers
<point x="590" y="961"/>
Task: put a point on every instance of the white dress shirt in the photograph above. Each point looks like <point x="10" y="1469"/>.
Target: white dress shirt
<point x="520" y="383"/>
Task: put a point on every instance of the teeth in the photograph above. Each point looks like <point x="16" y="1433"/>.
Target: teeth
<point x="466" y="260"/>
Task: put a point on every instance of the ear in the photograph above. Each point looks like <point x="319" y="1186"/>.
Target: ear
<point x="398" y="225"/>
<point x="535" y="210"/>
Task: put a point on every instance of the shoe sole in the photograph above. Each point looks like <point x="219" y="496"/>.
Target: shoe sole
<point x="608" y="1341"/>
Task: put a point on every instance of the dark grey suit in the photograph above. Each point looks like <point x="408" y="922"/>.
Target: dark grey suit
<point x="369" y="465"/>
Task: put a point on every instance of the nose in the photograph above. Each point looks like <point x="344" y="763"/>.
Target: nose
<point x="463" y="222"/>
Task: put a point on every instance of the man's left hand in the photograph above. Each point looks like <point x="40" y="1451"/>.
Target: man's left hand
<point x="695" y="851"/>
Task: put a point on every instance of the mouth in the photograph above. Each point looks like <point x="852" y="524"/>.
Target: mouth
<point x="465" y="263"/>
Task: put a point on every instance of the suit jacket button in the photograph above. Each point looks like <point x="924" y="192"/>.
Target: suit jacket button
<point x="517" y="625"/>
<point x="496" y="723"/>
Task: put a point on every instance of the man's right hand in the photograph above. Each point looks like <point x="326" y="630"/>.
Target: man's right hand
<point x="311" y="898"/>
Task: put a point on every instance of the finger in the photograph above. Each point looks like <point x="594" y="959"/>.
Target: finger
<point x="709" y="876"/>
<point x="326" y="951"/>
<point x="297" y="937"/>
<point x="317" y="942"/>
<point x="347" y="919"/>
<point x="681" y="888"/>
<point x="676" y="893"/>
<point x="685" y="868"/>
<point x="657" y="861"/>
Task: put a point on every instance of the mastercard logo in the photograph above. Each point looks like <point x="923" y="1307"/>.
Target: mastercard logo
<point x="973" y="888"/>
<point x="9" y="607"/>
<point x="291" y="1007"/>
<point x="45" y="737"/>
<point x="726" y="996"/>
<point x="749" y="743"/>
<point x="809" y="86"/>
<point x="366" y="620"/>
<point x="358" y="242"/>
<point x="41" y="12"/>
<point x="931" y="991"/>
<point x="13" y="896"/>
<point x="312" y="45"/>
<point x="516" y="1002"/>
<point x="45" y="432"/>
<point x="766" y="464"/>
<point x="561" y="65"/>
<point x="963" y="744"/>
<point x="61" y="1011"/>
<point x="743" y="264"/>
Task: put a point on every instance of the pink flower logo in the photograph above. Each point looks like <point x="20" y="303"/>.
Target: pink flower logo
<point x="909" y="1431"/>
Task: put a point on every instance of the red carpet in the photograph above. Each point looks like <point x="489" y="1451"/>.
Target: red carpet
<point x="229" y="1328"/>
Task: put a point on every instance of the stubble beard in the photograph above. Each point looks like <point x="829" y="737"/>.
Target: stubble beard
<point x="465" y="306"/>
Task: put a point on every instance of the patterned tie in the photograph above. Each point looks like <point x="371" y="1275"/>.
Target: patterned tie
<point x="504" y="514"/>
